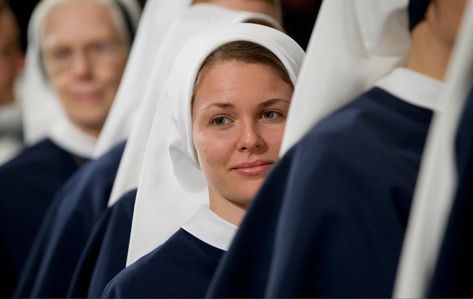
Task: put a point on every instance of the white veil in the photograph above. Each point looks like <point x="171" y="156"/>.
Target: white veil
<point x="158" y="16"/>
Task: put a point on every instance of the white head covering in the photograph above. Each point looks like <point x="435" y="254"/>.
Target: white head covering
<point x="195" y="19"/>
<point x="40" y="106"/>
<point x="158" y="16"/>
<point x="353" y="44"/>
<point x="437" y="180"/>
<point x="172" y="187"/>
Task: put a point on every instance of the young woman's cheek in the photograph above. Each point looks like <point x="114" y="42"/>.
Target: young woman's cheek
<point x="213" y="147"/>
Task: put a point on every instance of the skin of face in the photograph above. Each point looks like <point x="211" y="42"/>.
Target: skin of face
<point x="258" y="6"/>
<point x="84" y="55"/>
<point x="238" y="116"/>
<point x="11" y="57"/>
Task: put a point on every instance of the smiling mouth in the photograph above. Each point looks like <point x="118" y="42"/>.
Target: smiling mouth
<point x="89" y="95"/>
<point x="257" y="168"/>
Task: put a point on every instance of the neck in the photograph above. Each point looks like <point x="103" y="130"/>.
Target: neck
<point x="90" y="132"/>
<point x="225" y="208"/>
<point x="429" y="54"/>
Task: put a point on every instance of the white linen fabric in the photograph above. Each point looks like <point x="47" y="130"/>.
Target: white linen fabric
<point x="68" y="137"/>
<point x="437" y="181"/>
<point x="354" y="43"/>
<point x="210" y="228"/>
<point x="40" y="106"/>
<point x="195" y="19"/>
<point x="154" y="27"/>
<point x="414" y="88"/>
<point x="172" y="188"/>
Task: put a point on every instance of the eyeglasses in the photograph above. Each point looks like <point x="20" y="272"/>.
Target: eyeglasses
<point x="60" y="59"/>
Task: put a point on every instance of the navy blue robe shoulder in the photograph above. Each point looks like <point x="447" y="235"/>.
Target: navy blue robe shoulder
<point x="67" y="226"/>
<point x="330" y="219"/>
<point x="28" y="184"/>
<point x="180" y="268"/>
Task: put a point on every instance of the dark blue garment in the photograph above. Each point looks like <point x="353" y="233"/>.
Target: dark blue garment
<point x="454" y="270"/>
<point x="28" y="184"/>
<point x="180" y="268"/>
<point x="106" y="251"/>
<point x="330" y="219"/>
<point x="65" y="230"/>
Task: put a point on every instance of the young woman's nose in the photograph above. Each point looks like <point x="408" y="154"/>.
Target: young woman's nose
<point x="250" y="139"/>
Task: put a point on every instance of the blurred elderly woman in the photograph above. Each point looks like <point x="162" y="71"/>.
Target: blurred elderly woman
<point x="81" y="49"/>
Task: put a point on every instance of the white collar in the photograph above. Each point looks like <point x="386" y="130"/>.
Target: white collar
<point x="71" y="139"/>
<point x="413" y="87"/>
<point x="211" y="228"/>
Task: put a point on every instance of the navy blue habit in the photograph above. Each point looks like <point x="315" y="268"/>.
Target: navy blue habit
<point x="330" y="219"/>
<point x="454" y="269"/>
<point x="67" y="227"/>
<point x="106" y="251"/>
<point x="28" y="184"/>
<point x="182" y="267"/>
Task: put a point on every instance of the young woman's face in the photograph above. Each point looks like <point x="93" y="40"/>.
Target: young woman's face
<point x="239" y="113"/>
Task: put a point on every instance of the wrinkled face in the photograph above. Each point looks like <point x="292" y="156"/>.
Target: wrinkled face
<point x="84" y="55"/>
<point x="445" y="17"/>
<point x="238" y="115"/>
<point x="259" y="6"/>
<point x="11" y="58"/>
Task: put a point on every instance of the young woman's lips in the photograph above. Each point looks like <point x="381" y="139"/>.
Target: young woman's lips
<point x="88" y="96"/>
<point x="255" y="168"/>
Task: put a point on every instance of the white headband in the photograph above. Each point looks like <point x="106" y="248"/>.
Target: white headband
<point x="172" y="188"/>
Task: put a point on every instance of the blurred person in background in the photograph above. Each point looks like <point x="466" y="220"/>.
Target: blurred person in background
<point x="11" y="64"/>
<point x="81" y="48"/>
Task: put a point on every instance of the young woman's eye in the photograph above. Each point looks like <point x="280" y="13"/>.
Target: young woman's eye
<point x="220" y="121"/>
<point x="271" y="115"/>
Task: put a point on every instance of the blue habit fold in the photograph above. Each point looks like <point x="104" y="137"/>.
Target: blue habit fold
<point x="180" y="268"/>
<point x="106" y="251"/>
<point x="28" y="184"/>
<point x="66" y="228"/>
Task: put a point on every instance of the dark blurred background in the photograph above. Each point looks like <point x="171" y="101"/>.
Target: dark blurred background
<point x="298" y="16"/>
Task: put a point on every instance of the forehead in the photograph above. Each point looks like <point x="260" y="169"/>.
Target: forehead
<point x="232" y="80"/>
<point x="78" y="21"/>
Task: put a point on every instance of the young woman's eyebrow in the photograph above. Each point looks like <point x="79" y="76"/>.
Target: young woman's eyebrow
<point x="222" y="105"/>
<point x="272" y="102"/>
